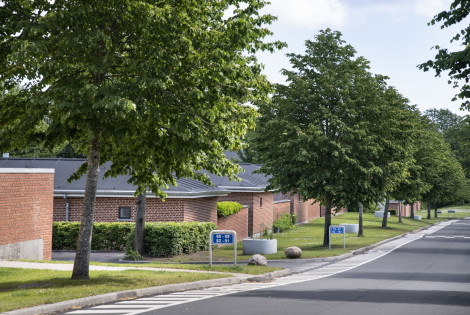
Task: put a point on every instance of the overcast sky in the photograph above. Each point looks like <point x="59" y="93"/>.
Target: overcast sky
<point x="392" y="34"/>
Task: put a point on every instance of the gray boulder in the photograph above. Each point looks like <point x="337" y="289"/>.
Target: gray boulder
<point x="258" y="260"/>
<point x="293" y="252"/>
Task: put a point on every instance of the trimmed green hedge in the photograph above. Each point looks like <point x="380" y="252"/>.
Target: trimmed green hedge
<point x="168" y="239"/>
<point x="162" y="239"/>
<point x="226" y="208"/>
<point x="106" y="236"/>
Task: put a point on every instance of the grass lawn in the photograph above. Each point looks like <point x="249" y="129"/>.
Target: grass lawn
<point x="460" y="211"/>
<point x="20" y="288"/>
<point x="309" y="237"/>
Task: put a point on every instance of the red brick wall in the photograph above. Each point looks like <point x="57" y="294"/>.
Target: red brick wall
<point x="201" y="209"/>
<point x="237" y="222"/>
<point x="280" y="207"/>
<point x="262" y="213"/>
<point x="245" y="199"/>
<point x="313" y="210"/>
<point x="405" y="209"/>
<point x="156" y="210"/>
<point x="26" y="202"/>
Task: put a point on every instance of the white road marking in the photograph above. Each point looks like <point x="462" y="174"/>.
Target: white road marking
<point x="176" y="298"/>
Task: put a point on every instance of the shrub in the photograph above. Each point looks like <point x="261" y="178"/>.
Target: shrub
<point x="161" y="239"/>
<point x="106" y="236"/>
<point x="168" y="239"/>
<point x="285" y="222"/>
<point x="226" y="208"/>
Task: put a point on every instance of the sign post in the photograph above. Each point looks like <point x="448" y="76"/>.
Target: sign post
<point x="223" y="237"/>
<point x="337" y="229"/>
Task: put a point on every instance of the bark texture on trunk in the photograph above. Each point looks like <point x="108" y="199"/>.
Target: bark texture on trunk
<point x="412" y="215"/>
<point x="435" y="210"/>
<point x="326" y="234"/>
<point x="387" y="205"/>
<point x="429" y="210"/>
<point x="361" y="230"/>
<point x="399" y="212"/>
<point x="81" y="266"/>
<point x="140" y="223"/>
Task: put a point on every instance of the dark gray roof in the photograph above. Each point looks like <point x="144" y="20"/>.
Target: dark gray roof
<point x="117" y="186"/>
<point x="188" y="188"/>
<point x="249" y="180"/>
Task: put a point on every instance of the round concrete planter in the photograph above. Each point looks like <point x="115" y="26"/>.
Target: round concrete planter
<point x="417" y="217"/>
<point x="251" y="246"/>
<point x="350" y="227"/>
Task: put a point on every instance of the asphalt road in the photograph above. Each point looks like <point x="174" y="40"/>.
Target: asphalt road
<point x="429" y="275"/>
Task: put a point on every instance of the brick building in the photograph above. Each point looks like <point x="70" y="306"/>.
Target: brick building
<point x="26" y="201"/>
<point x="190" y="200"/>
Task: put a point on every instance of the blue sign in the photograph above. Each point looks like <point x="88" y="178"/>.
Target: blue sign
<point x="337" y="229"/>
<point x="451" y="211"/>
<point x="222" y="238"/>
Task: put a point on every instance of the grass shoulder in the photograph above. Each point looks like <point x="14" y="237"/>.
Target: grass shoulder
<point x="21" y="288"/>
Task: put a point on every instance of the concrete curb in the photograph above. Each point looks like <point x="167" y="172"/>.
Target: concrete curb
<point x="116" y="296"/>
<point x="239" y="278"/>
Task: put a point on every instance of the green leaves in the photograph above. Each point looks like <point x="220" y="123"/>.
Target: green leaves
<point x="455" y="62"/>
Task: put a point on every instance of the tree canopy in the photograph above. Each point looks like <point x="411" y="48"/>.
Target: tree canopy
<point x="329" y="134"/>
<point x="157" y="88"/>
<point x="455" y="62"/>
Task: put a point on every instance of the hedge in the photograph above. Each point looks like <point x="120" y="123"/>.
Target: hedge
<point x="168" y="239"/>
<point x="226" y="208"/>
<point x="106" y="236"/>
<point x="162" y="239"/>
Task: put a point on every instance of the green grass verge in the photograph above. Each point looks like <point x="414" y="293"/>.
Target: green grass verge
<point x="20" y="288"/>
<point x="252" y="270"/>
<point x="461" y="212"/>
<point x="309" y="237"/>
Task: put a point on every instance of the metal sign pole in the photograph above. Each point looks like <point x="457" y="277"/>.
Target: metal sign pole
<point x="329" y="238"/>
<point x="223" y="237"/>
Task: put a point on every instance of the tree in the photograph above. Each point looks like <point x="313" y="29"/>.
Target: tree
<point x="443" y="118"/>
<point x="157" y="88"/>
<point x="456" y="62"/>
<point x="323" y="135"/>
<point x="435" y="176"/>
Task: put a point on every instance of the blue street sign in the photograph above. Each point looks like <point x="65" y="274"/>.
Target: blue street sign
<point x="222" y="239"/>
<point x="337" y="229"/>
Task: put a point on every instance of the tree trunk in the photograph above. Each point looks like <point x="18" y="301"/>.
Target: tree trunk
<point x="435" y="210"/>
<point x="429" y="210"/>
<point x="81" y="266"/>
<point x="412" y="213"/>
<point x="361" y="210"/>
<point x="326" y="233"/>
<point x="385" y="217"/>
<point x="140" y="223"/>
<point x="399" y="212"/>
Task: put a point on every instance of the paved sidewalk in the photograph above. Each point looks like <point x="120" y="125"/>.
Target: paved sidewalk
<point x="292" y="267"/>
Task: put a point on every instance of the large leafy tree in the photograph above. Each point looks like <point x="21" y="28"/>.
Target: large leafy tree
<point x="155" y="87"/>
<point x="457" y="62"/>
<point x="443" y="118"/>
<point x="325" y="135"/>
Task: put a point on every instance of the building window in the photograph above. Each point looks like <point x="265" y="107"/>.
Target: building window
<point x="299" y="198"/>
<point x="124" y="213"/>
<point x="261" y="202"/>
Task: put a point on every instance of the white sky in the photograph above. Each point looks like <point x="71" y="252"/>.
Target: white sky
<point x="392" y="34"/>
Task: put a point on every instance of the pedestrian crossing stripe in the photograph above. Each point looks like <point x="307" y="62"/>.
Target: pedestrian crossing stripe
<point x="146" y="304"/>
